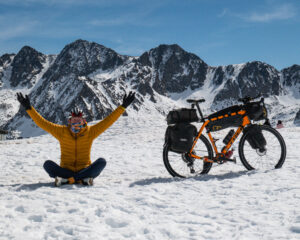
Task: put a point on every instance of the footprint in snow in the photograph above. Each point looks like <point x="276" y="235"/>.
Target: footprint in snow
<point x="115" y="224"/>
<point x="36" y="218"/>
<point x="20" y="209"/>
<point x="295" y="229"/>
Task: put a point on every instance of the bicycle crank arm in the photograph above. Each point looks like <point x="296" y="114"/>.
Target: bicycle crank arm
<point x="224" y="159"/>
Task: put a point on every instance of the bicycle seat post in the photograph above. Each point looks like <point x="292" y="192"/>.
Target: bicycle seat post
<point x="199" y="110"/>
<point x="196" y="102"/>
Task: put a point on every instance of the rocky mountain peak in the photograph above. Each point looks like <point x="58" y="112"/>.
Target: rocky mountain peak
<point x="258" y="66"/>
<point x="175" y="69"/>
<point x="82" y="58"/>
<point x="248" y="79"/>
<point x="27" y="63"/>
<point x="291" y="75"/>
<point x="291" y="79"/>
<point x="165" y="49"/>
<point x="259" y="74"/>
<point x="6" y="59"/>
<point x="163" y="53"/>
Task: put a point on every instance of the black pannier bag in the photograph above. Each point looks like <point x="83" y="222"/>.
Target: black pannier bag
<point x="255" y="137"/>
<point x="256" y="111"/>
<point x="228" y="117"/>
<point x="182" y="115"/>
<point x="180" y="137"/>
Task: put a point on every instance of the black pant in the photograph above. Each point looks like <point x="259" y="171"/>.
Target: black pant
<point x="91" y="171"/>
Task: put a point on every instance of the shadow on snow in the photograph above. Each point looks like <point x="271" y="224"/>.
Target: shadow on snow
<point x="34" y="186"/>
<point x="231" y="175"/>
<point x="203" y="178"/>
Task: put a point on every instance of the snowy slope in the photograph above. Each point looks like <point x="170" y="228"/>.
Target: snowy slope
<point x="135" y="198"/>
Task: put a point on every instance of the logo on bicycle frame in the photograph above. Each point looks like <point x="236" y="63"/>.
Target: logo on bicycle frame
<point x="216" y="128"/>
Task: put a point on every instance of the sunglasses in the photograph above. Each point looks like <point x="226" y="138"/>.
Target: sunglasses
<point x="77" y="123"/>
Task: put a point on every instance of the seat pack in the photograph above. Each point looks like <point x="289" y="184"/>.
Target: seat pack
<point x="183" y="115"/>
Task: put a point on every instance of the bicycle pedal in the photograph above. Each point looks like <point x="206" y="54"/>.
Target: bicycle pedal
<point x="222" y="160"/>
<point x="229" y="159"/>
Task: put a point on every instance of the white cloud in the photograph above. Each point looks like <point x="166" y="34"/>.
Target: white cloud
<point x="108" y="22"/>
<point x="224" y="12"/>
<point x="131" y="51"/>
<point x="16" y="31"/>
<point x="68" y="2"/>
<point x="283" y="12"/>
<point x="135" y="21"/>
<point x="139" y="17"/>
<point x="12" y="25"/>
<point x="51" y="2"/>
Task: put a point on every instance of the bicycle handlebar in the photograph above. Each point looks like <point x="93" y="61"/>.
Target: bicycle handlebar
<point x="247" y="99"/>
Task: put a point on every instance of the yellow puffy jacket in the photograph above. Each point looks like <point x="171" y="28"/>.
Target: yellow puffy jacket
<point x="75" y="148"/>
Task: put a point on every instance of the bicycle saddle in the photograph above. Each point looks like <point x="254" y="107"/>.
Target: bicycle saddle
<point x="195" y="101"/>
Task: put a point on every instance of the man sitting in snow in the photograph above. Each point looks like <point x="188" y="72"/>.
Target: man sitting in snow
<point x="75" y="142"/>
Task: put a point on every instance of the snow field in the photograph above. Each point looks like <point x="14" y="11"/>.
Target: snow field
<point x="136" y="198"/>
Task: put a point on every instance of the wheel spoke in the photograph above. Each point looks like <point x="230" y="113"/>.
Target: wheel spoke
<point x="274" y="153"/>
<point x="177" y="164"/>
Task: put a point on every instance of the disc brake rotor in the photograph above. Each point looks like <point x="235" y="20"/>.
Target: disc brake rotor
<point x="261" y="152"/>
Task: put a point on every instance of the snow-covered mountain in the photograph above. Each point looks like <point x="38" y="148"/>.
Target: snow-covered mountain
<point x="94" y="78"/>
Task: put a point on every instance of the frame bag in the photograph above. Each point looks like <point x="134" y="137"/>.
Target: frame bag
<point x="228" y="117"/>
<point x="180" y="137"/>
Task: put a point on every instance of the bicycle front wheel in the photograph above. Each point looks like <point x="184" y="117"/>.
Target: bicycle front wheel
<point x="181" y="165"/>
<point x="273" y="155"/>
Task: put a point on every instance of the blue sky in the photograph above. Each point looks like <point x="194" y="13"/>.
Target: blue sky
<point x="220" y="32"/>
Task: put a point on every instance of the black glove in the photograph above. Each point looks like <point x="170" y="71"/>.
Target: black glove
<point x="127" y="100"/>
<point x="25" y="102"/>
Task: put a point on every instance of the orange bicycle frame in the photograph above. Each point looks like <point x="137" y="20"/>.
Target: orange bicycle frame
<point x="245" y="122"/>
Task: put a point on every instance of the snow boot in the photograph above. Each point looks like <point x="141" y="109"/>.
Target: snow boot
<point x="60" y="181"/>
<point x="88" y="181"/>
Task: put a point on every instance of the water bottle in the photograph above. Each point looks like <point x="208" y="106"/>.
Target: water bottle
<point x="228" y="137"/>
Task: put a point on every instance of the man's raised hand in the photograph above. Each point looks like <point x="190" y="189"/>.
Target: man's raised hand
<point x="127" y="100"/>
<point x="25" y="102"/>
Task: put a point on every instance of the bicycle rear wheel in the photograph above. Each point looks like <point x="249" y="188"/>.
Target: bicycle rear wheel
<point x="272" y="157"/>
<point x="181" y="165"/>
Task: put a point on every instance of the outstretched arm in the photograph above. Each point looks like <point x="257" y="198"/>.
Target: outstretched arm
<point x="100" y="127"/>
<point x="53" y="129"/>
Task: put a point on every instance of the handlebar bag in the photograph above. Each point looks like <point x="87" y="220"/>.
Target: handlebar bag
<point x="256" y="111"/>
